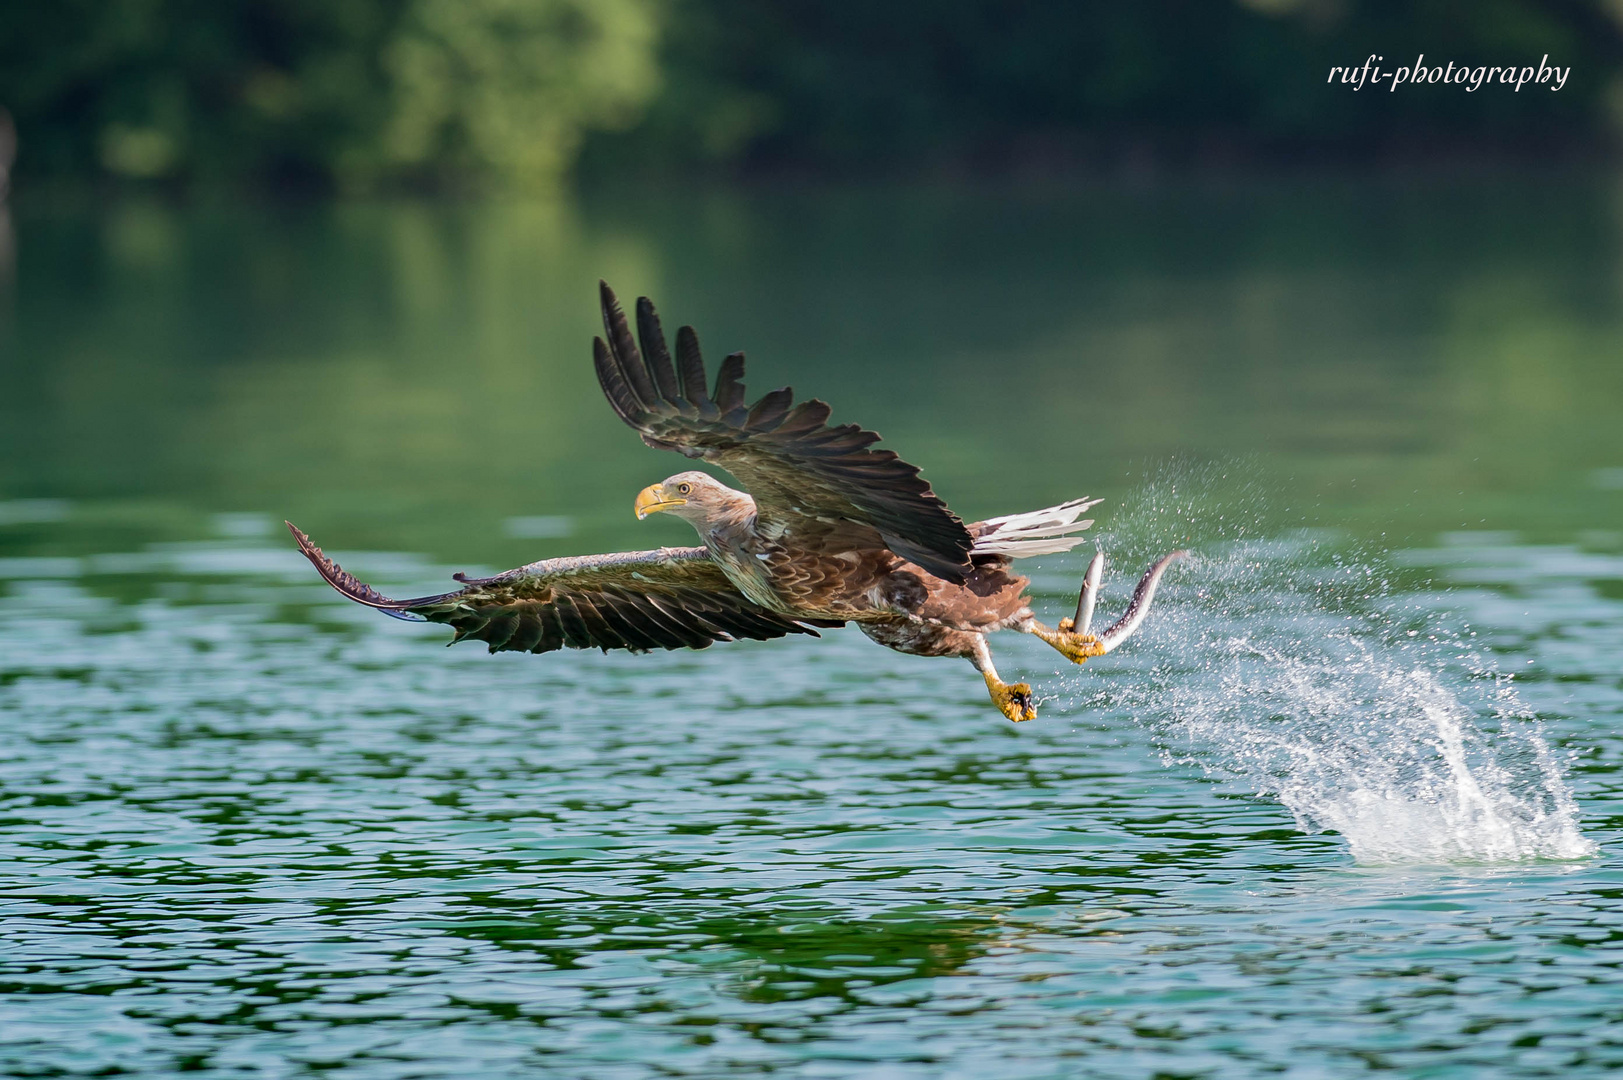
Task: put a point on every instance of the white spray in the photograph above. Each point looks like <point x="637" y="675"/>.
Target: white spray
<point x="1294" y="670"/>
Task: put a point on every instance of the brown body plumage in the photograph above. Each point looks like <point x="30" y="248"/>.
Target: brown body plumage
<point x="831" y="532"/>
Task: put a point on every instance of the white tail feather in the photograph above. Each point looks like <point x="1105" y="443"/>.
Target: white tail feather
<point x="1040" y="532"/>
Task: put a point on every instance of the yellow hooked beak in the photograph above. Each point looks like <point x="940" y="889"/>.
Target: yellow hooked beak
<point x="652" y="499"/>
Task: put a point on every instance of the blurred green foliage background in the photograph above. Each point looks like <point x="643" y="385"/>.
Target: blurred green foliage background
<point x="363" y="95"/>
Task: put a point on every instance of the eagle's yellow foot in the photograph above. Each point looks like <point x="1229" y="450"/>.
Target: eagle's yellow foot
<point x="1073" y="646"/>
<point x="1012" y="699"/>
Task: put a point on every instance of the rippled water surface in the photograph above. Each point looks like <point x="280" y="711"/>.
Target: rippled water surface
<point x="1350" y="802"/>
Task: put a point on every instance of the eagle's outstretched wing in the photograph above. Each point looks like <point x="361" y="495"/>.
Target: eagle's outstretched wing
<point x="800" y="470"/>
<point x="638" y="600"/>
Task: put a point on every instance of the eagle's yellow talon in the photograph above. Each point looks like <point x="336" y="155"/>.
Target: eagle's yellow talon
<point x="1075" y="647"/>
<point x="1012" y="699"/>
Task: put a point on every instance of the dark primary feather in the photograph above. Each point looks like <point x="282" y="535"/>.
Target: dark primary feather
<point x="690" y="365"/>
<point x="639" y="600"/>
<point x="797" y="467"/>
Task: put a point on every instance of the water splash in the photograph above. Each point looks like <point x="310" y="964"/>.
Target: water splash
<point x="1357" y="739"/>
<point x="1308" y="671"/>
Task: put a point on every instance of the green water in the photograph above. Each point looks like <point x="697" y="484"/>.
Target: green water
<point x="1351" y="801"/>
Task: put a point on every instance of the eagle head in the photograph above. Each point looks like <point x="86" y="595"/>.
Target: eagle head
<point x="695" y="496"/>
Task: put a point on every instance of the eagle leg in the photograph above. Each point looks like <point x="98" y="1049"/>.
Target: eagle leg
<point x="1012" y="699"/>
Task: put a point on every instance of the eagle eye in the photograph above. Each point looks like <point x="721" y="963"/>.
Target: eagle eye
<point x="684" y="488"/>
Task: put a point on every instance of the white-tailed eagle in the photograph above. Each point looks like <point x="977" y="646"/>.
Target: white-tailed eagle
<point x="831" y="531"/>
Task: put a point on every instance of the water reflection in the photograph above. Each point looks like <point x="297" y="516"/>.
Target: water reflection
<point x="413" y="375"/>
